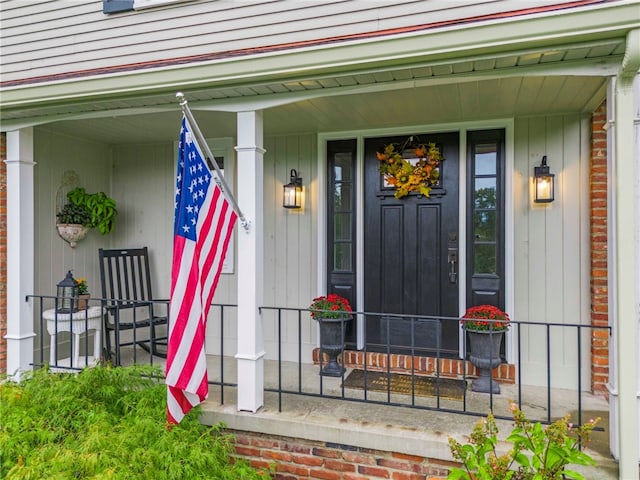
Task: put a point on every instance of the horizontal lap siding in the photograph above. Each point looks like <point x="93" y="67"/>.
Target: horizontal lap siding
<point x="52" y="37"/>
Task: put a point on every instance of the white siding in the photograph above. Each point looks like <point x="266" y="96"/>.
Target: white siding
<point x="551" y="267"/>
<point x="43" y="38"/>
<point x="290" y="246"/>
<point x="56" y="154"/>
<point x="141" y="179"/>
<point x="53" y="256"/>
<point x="551" y="273"/>
<point x="143" y="183"/>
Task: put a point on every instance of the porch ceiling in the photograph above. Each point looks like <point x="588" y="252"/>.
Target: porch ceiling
<point x="549" y="81"/>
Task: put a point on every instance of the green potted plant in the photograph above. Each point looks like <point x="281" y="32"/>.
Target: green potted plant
<point x="83" y="293"/>
<point x="485" y="325"/>
<point x="331" y="312"/>
<point x="84" y="211"/>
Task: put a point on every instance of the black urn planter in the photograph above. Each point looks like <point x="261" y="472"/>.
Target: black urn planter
<point x="485" y="354"/>
<point x="332" y="343"/>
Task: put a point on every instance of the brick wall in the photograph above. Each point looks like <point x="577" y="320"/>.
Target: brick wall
<point x="296" y="459"/>
<point x="599" y="278"/>
<point x="396" y="363"/>
<point x="3" y="253"/>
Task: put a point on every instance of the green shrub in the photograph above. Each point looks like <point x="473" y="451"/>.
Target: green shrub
<point x="107" y="423"/>
<point x="538" y="453"/>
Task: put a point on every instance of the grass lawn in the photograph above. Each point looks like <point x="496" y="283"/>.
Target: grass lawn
<point x="107" y="423"/>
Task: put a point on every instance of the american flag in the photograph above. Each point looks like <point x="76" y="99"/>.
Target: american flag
<point x="203" y="225"/>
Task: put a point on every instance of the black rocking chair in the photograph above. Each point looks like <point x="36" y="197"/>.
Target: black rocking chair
<point x="127" y="298"/>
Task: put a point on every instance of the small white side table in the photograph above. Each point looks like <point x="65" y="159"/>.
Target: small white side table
<point x="77" y="323"/>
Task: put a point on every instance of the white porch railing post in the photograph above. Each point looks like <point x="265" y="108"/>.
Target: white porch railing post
<point x="250" y="356"/>
<point x="20" y="250"/>
<point x="624" y="239"/>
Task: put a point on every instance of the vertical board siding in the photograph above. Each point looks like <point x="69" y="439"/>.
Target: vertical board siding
<point x="550" y="277"/>
<point x="91" y="161"/>
<point x="52" y="37"/>
<point x="289" y="244"/>
<point x="140" y="178"/>
<point x="56" y="154"/>
<point x="550" y="283"/>
<point x="144" y="177"/>
<point x="143" y="183"/>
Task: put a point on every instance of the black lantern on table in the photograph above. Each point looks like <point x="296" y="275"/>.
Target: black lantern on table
<point x="67" y="295"/>
<point x="293" y="191"/>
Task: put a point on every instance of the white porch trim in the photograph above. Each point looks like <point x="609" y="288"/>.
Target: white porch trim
<point x="250" y="356"/>
<point x="624" y="236"/>
<point x="20" y="250"/>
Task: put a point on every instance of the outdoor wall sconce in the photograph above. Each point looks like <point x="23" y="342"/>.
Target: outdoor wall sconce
<point x="543" y="182"/>
<point x="67" y="295"/>
<point x="293" y="191"/>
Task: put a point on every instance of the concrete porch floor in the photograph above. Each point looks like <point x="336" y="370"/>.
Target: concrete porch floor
<point x="384" y="427"/>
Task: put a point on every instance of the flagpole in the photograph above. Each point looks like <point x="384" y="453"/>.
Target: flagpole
<point x="211" y="160"/>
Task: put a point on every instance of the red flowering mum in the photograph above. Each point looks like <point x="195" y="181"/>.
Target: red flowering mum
<point x="485" y="317"/>
<point x="330" y="306"/>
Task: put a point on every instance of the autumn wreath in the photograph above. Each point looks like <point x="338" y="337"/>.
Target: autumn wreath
<point x="410" y="167"/>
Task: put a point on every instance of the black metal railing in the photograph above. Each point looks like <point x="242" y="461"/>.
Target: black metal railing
<point x="295" y="373"/>
<point x="79" y="336"/>
<point x="434" y="353"/>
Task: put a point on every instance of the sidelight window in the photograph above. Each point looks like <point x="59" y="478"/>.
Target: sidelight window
<point x="341" y="183"/>
<point x="485" y="223"/>
<point x="484" y="207"/>
<point x="341" y="224"/>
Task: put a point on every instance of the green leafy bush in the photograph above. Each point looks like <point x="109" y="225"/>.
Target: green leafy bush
<point x="107" y="423"/>
<point x="538" y="453"/>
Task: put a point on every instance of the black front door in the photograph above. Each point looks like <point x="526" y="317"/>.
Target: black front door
<point x="411" y="255"/>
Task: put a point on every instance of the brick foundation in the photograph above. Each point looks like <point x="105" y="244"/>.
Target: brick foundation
<point x="599" y="268"/>
<point x="297" y="459"/>
<point x="3" y="253"/>
<point x="396" y="363"/>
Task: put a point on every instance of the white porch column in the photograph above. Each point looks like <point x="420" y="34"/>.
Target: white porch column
<point x="250" y="356"/>
<point x="20" y="250"/>
<point x="625" y="239"/>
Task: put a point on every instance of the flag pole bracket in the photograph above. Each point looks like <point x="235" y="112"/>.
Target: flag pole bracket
<point x="211" y="161"/>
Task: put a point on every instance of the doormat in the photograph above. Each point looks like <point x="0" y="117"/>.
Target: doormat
<point x="423" y="386"/>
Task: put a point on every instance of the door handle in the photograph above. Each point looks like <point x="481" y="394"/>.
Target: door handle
<point x="452" y="259"/>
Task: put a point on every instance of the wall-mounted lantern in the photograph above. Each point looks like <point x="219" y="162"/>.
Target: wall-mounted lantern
<point x="67" y="295"/>
<point x="293" y="191"/>
<point x="543" y="182"/>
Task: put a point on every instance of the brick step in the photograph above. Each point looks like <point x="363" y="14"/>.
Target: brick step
<point x="428" y="366"/>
